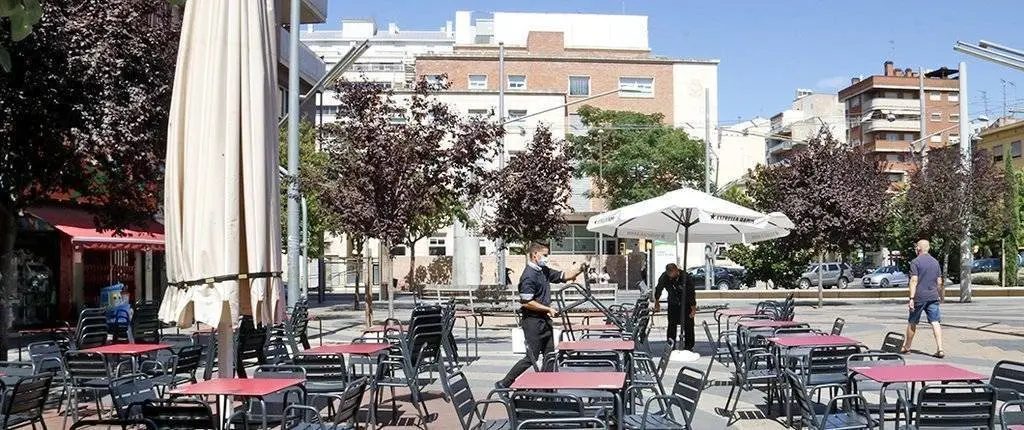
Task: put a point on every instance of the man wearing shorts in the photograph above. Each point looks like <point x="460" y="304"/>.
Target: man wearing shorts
<point x="926" y="292"/>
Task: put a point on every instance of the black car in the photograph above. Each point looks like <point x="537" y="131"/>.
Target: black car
<point x="726" y="278"/>
<point x="983" y="265"/>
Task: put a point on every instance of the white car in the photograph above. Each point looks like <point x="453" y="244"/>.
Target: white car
<point x="885" y="277"/>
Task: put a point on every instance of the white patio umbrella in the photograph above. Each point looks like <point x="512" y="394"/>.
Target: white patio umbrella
<point x="222" y="223"/>
<point x="692" y="215"/>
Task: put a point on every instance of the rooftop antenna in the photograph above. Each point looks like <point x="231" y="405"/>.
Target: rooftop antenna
<point x="892" y="50"/>
<point x="984" y="101"/>
<point x="1005" y="82"/>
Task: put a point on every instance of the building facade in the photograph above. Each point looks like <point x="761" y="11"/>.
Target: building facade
<point x="1004" y="136"/>
<point x="739" y="149"/>
<point x="790" y="129"/>
<point x="884" y="114"/>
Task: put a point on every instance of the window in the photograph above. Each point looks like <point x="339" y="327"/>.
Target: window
<point x="892" y="137"/>
<point x="894" y="177"/>
<point x="891" y="95"/>
<point x="953" y="97"/>
<point x="1015" y="149"/>
<point x="855" y="101"/>
<point x="478" y="82"/>
<point x="934" y="96"/>
<point x="636" y="87"/>
<point x="517" y="82"/>
<point x="436" y="79"/>
<point x="578" y="241"/>
<point x="479" y="112"/>
<point x="894" y="157"/>
<point x="437" y="245"/>
<point x="909" y="137"/>
<point x="997" y="153"/>
<point x="398" y="251"/>
<point x="516" y="113"/>
<point x="936" y="116"/>
<point x="579" y="85"/>
<point x="936" y="138"/>
<point x="954" y="117"/>
<point x="954" y="138"/>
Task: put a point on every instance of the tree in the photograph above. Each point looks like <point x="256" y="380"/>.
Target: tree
<point x="944" y="200"/>
<point x="312" y="165"/>
<point x="22" y="15"/>
<point x="900" y="227"/>
<point x="1011" y="203"/>
<point x="633" y="156"/>
<point x="439" y="213"/>
<point x="531" y="194"/>
<point x="394" y="161"/>
<point x="834" y="193"/>
<point x="83" y="117"/>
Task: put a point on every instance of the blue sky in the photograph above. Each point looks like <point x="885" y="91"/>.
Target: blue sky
<point x="768" y="48"/>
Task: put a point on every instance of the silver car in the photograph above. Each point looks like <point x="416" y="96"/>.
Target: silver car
<point x="885" y="277"/>
<point x="835" y="274"/>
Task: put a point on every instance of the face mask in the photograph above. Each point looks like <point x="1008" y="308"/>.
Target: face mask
<point x="542" y="261"/>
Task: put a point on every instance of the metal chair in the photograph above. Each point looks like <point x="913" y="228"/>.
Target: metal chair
<point x="827" y="365"/>
<point x="950" y="406"/>
<point x="721" y="352"/>
<point x="892" y="343"/>
<point x="87" y="372"/>
<point x="127" y="393"/>
<point x="107" y="424"/>
<point x="647" y="375"/>
<point x="1008" y="380"/>
<point x="468" y="410"/>
<point x="179" y="414"/>
<point x="304" y="417"/>
<point x="837" y="326"/>
<point x="24" y="405"/>
<point x="1009" y="418"/>
<point x="530" y="405"/>
<point x="751" y="368"/>
<point x="249" y="345"/>
<point x="183" y="368"/>
<point x="685" y="395"/>
<point x="860" y="384"/>
<point x="92" y="335"/>
<point x="326" y="375"/>
<point x="271" y="409"/>
<point x="852" y="416"/>
<point x="415" y="352"/>
<point x="276" y="352"/>
<point x="47" y="357"/>
<point x="145" y="324"/>
<point x="582" y="423"/>
<point x="208" y="341"/>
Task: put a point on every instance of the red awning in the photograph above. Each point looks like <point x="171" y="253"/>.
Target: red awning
<point x="79" y="225"/>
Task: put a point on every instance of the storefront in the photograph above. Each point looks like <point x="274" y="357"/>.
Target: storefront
<point x="88" y="260"/>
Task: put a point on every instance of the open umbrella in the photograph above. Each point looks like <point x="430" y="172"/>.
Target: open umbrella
<point x="221" y="190"/>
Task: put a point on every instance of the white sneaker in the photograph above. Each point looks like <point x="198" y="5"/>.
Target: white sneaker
<point x="684" y="356"/>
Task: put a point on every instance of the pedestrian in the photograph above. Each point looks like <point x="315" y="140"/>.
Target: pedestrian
<point x="592" y="276"/>
<point x="682" y="305"/>
<point x="605" y="277"/>
<point x="535" y="298"/>
<point x="926" y="292"/>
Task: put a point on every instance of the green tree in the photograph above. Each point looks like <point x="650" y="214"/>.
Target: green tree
<point x="900" y="226"/>
<point x="312" y="165"/>
<point x="21" y="15"/>
<point x="1011" y="229"/>
<point x="633" y="156"/>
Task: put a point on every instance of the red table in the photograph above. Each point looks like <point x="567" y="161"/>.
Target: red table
<point x="597" y="345"/>
<point x="769" y="324"/>
<point x="128" y="348"/>
<point x="811" y="341"/>
<point x="251" y="387"/>
<point x="913" y="373"/>
<point x="614" y="382"/>
<point x="349" y="348"/>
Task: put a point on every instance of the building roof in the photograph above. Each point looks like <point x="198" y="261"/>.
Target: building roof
<point x="404" y="35"/>
<point x="580" y="59"/>
<point x="1015" y="126"/>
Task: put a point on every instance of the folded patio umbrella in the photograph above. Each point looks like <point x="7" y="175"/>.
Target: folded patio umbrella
<point x="222" y="223"/>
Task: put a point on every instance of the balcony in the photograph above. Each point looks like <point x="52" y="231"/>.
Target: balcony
<point x="310" y="11"/>
<point x="311" y="68"/>
<point x="895" y="105"/>
<point x="897" y="125"/>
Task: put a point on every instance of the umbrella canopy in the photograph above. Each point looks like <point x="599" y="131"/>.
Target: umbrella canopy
<point x="697" y="216"/>
<point x="221" y="190"/>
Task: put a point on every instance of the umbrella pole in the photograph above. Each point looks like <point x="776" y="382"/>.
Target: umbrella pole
<point x="225" y="346"/>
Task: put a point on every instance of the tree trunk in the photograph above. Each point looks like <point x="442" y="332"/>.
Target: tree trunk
<point x="8" y="269"/>
<point x="821" y="268"/>
<point x="411" y="249"/>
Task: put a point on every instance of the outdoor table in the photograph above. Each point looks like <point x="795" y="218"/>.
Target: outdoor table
<point x="134" y="350"/>
<point x="622" y="348"/>
<point x="360" y="349"/>
<point x="912" y="374"/>
<point x="769" y="324"/>
<point x="730" y="313"/>
<point x="225" y="389"/>
<point x="797" y="347"/>
<point x="613" y="382"/>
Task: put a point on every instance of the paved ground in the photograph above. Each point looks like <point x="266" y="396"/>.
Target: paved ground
<point x="978" y="335"/>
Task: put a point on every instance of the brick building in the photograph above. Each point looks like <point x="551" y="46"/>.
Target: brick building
<point x="884" y="114"/>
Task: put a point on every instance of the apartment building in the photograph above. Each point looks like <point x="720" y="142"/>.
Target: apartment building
<point x="808" y="113"/>
<point x="884" y="114"/>
<point x="1006" y="134"/>
<point x="739" y="149"/>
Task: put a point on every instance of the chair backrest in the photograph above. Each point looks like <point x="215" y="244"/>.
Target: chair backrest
<point x="128" y="390"/>
<point x="666" y="357"/>
<point x="794" y="331"/>
<point x="208" y="341"/>
<point x="348" y="411"/>
<point x="711" y="338"/>
<point x="323" y="367"/>
<point x="588" y="423"/>
<point x="249" y="343"/>
<point x="285" y="332"/>
<point x="46" y="357"/>
<point x="529" y="405"/>
<point x="179" y="414"/>
<point x="425" y="345"/>
<point x="82" y="366"/>
<point x="123" y="424"/>
<point x="92" y="335"/>
<point x="1008" y="379"/>
<point x="893" y="342"/>
<point x="956" y="406"/>
<point x="829" y="359"/>
<point x="145" y="328"/>
<point x="189" y="360"/>
<point x="687" y="388"/>
<point x="28" y="397"/>
<point x="837" y="326"/>
<point x="456" y="388"/>
<point x="1012" y="413"/>
<point x="276" y="352"/>
<point x="177" y="341"/>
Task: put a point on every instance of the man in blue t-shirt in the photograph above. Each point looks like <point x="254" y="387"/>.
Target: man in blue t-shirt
<point x="926" y="292"/>
<point x="535" y="297"/>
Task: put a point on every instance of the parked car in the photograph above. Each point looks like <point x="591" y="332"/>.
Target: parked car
<point x="835" y="274"/>
<point x="885" y="277"/>
<point x="725" y="278"/>
<point x="983" y="265"/>
<point x="862" y="269"/>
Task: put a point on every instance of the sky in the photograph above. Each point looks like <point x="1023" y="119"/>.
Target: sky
<point x="769" y="48"/>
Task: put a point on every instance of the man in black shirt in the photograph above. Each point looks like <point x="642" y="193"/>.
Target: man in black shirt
<point x="680" y="290"/>
<point x="535" y="296"/>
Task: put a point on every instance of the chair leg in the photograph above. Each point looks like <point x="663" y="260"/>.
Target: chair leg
<point x="732" y="411"/>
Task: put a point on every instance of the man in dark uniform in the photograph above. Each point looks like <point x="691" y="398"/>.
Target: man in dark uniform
<point x="535" y="296"/>
<point x="680" y="290"/>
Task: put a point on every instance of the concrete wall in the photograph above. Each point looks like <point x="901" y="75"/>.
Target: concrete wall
<point x="688" y="104"/>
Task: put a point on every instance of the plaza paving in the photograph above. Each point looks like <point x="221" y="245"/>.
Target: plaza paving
<point x="977" y="336"/>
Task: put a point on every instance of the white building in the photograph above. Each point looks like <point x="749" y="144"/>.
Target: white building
<point x="740" y="148"/>
<point x="807" y="115"/>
